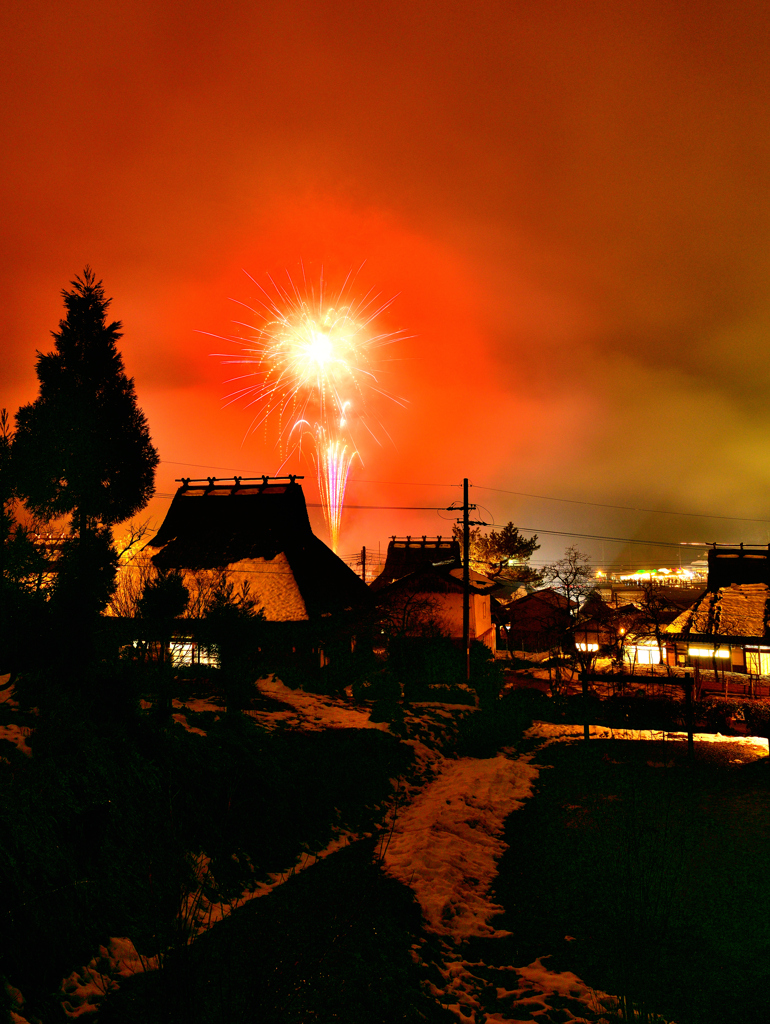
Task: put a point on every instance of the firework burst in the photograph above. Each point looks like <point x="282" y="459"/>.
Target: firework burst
<point x="312" y="362"/>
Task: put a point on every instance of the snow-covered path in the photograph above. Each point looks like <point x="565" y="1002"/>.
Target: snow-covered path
<point x="446" y="846"/>
<point x="311" y="711"/>
<point x="446" y="843"/>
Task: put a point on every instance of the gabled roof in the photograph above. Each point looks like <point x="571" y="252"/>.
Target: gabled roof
<point x="439" y="579"/>
<point x="211" y="525"/>
<point x="407" y="555"/>
<point x="546" y="596"/>
<point x="737" y="611"/>
<point x="260" y="532"/>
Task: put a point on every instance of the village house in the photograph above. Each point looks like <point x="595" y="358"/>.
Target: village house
<point x="258" y="532"/>
<point x="727" y="626"/>
<point x="634" y="633"/>
<point x="537" y="622"/>
<point x="422" y="585"/>
<point x="406" y="555"/>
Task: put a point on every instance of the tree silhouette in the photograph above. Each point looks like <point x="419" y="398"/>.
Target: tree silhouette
<point x="232" y="629"/>
<point x="83" y="447"/>
<point x="22" y="566"/>
<point x="503" y="553"/>
<point x="573" y="577"/>
<point x="164" y="599"/>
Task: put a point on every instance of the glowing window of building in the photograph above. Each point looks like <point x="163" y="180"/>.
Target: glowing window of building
<point x="642" y="654"/>
<point x="587" y="647"/>
<point x="187" y="652"/>
<point x="708" y="652"/>
<point x="758" y="662"/>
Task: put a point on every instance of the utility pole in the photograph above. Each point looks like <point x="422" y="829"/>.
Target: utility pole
<point x="466" y="581"/>
<point x="363" y="563"/>
<point x="467" y="523"/>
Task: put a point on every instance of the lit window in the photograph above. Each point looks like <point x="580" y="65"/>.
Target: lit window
<point x="642" y="654"/>
<point x="187" y="652"/>
<point x="758" y="662"/>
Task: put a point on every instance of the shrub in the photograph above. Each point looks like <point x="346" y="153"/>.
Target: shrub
<point x="486" y="673"/>
<point x="447" y="693"/>
<point x="379" y="687"/>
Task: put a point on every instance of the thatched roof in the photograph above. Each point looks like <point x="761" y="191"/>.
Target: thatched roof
<point x="736" y="605"/>
<point x="260" y="532"/>
<point x="407" y="555"/>
<point x="439" y="579"/>
<point x="739" y="612"/>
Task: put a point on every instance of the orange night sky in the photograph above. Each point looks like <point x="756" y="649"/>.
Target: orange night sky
<point x="569" y="202"/>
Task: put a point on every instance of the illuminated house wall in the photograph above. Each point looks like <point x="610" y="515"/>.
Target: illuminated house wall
<point x="728" y="625"/>
<point x="646" y="653"/>
<point x="437" y="592"/>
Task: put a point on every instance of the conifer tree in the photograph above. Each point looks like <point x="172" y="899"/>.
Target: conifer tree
<point x="503" y="553"/>
<point x="83" y="447"/>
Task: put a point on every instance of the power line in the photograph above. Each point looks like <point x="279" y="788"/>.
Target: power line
<point x="317" y="504"/>
<point x="523" y="529"/>
<point x="206" y="465"/>
<point x="623" y="508"/>
<point x="617" y="540"/>
<point x="518" y="494"/>
<point x="404" y="483"/>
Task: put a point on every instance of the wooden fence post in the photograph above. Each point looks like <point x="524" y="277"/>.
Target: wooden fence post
<point x="584" y="687"/>
<point x="688" y="715"/>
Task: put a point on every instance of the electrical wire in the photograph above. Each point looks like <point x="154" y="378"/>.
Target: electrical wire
<point x="518" y="494"/>
<point x="522" y="529"/>
<point x="624" y="508"/>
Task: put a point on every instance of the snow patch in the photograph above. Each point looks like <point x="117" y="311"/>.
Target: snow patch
<point x="82" y="992"/>
<point x="447" y="842"/>
<point x="182" y="720"/>
<point x="7" y="692"/>
<point x="311" y="711"/>
<point x="553" y="732"/>
<point x="18" y="735"/>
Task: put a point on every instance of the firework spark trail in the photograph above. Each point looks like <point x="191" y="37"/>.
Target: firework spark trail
<point x="314" y="367"/>
<point x="333" y="459"/>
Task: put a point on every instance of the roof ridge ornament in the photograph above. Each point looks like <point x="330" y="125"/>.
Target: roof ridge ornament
<point x="237" y="481"/>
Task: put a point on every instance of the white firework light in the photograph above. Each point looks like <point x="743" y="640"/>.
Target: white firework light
<point x="313" y="362"/>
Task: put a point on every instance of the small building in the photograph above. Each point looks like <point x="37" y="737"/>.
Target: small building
<point x="430" y="600"/>
<point x="727" y="626"/>
<point x="538" y="621"/>
<point x="641" y="626"/>
<point x="258" y="532"/>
